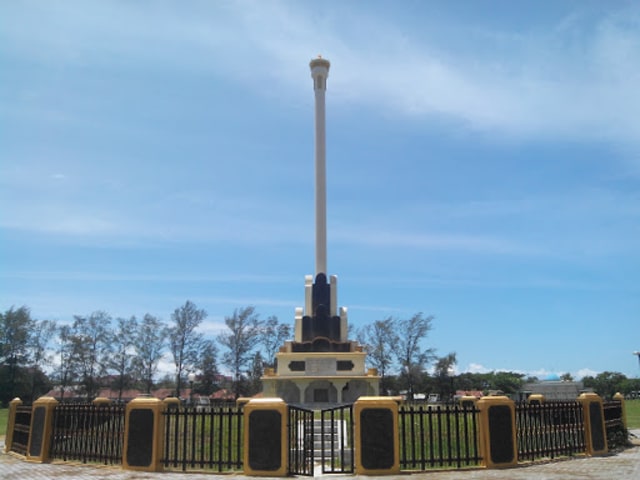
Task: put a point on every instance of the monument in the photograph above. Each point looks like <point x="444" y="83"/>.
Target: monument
<point x="321" y="366"/>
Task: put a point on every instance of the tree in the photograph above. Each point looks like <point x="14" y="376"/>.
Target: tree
<point x="149" y="344"/>
<point x="90" y="340"/>
<point x="566" y="377"/>
<point x="273" y="335"/>
<point x="208" y="366"/>
<point x="476" y="381"/>
<point x="185" y="342"/>
<point x="122" y="358"/>
<point x="379" y="340"/>
<point x="15" y="326"/>
<point x="606" y="384"/>
<point x="64" y="353"/>
<point x="411" y="355"/>
<point x="23" y="383"/>
<point x="41" y="335"/>
<point x="254" y="384"/>
<point x="506" y="382"/>
<point x="443" y="372"/>
<point x="240" y="341"/>
<point x="629" y="385"/>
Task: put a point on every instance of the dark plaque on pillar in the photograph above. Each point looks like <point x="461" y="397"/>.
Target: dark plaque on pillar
<point x="597" y="435"/>
<point x="376" y="438"/>
<point x="501" y="434"/>
<point x="265" y="440"/>
<point x="140" y="444"/>
<point x="37" y="432"/>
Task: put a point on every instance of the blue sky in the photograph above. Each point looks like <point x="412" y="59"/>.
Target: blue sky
<point x="483" y="163"/>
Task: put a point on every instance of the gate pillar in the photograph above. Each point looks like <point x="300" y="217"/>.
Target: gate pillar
<point x="498" y="432"/>
<point x="468" y="401"/>
<point x="376" y="436"/>
<point x="11" y="423"/>
<point x="143" y="434"/>
<point x="266" y="446"/>
<point x="595" y="432"/>
<point x="620" y="398"/>
<point x="41" y="429"/>
<point x="536" y="399"/>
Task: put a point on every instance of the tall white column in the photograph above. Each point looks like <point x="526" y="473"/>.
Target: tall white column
<point x="319" y="72"/>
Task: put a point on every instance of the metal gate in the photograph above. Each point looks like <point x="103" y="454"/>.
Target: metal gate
<point x="337" y="439"/>
<point x="322" y="437"/>
<point x="301" y="458"/>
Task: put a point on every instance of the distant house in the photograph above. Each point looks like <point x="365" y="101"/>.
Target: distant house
<point x="469" y="393"/>
<point x="222" y="395"/>
<point x="553" y="390"/>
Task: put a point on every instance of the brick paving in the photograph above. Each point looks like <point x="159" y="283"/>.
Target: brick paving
<point x="623" y="465"/>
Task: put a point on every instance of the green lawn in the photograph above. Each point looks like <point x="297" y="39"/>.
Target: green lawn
<point x="4" y="414"/>
<point x="633" y="413"/>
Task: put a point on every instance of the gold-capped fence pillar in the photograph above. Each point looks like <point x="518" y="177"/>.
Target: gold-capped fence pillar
<point x="41" y="429"/>
<point x="497" y="425"/>
<point x="101" y="402"/>
<point x="620" y="398"/>
<point x="266" y="446"/>
<point x="536" y="399"/>
<point x="11" y="423"/>
<point x="377" y="449"/>
<point x="468" y="401"/>
<point x="595" y="431"/>
<point x="171" y="403"/>
<point x="144" y="434"/>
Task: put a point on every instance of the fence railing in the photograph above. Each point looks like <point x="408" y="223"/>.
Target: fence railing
<point x="301" y="441"/>
<point x="617" y="434"/>
<point x="434" y="436"/>
<point x="21" y="429"/>
<point x="88" y="433"/>
<point x="203" y="438"/>
<point x="549" y="430"/>
<point x="212" y="438"/>
<point x="337" y="439"/>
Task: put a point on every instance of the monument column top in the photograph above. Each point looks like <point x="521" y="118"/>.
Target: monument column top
<point x="319" y="72"/>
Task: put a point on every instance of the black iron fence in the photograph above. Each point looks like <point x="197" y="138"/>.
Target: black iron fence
<point x="435" y="436"/>
<point x="301" y="441"/>
<point x="617" y="435"/>
<point x="212" y="438"/>
<point x="549" y="430"/>
<point x="88" y="433"/>
<point x="337" y="439"/>
<point x="203" y="438"/>
<point x="21" y="429"/>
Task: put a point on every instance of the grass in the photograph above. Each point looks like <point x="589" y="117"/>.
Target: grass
<point x="210" y="438"/>
<point x="4" y="415"/>
<point x="436" y="438"/>
<point x="633" y="413"/>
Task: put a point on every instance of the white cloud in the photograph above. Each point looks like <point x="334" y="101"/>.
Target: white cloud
<point x="540" y="373"/>
<point x="585" y="372"/>
<point x="173" y="277"/>
<point x="577" y="80"/>
<point x="432" y="241"/>
<point x="476" y="368"/>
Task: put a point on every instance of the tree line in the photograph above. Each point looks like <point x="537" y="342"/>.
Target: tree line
<point x="96" y="351"/>
<point x="396" y="348"/>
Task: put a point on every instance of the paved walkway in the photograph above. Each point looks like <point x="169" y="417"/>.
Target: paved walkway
<point x="624" y="465"/>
